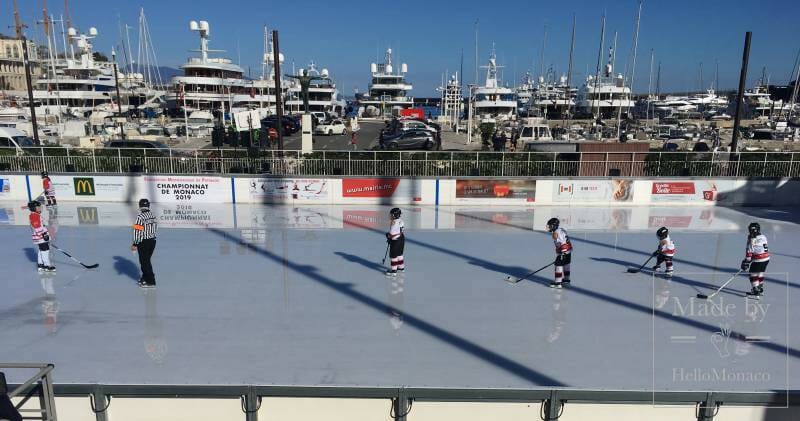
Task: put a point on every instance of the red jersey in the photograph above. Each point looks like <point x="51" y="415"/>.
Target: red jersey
<point x="38" y="228"/>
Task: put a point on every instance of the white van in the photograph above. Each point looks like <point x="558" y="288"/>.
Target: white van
<point x="13" y="138"/>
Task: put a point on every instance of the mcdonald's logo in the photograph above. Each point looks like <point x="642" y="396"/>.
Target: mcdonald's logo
<point x="88" y="216"/>
<point x="84" y="186"/>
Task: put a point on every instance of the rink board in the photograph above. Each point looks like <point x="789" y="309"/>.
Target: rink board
<point x="478" y="191"/>
<point x="283" y="295"/>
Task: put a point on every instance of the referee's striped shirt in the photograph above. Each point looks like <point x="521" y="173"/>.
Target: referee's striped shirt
<point x="145" y="227"/>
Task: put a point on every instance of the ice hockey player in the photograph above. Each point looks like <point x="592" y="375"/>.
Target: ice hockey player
<point x="563" y="253"/>
<point x="756" y="258"/>
<point x="397" y="242"/>
<point x="40" y="237"/>
<point x="49" y="191"/>
<point x="144" y="242"/>
<point x="665" y="252"/>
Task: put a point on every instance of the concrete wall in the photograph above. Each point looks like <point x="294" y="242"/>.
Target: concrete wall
<point x="301" y="409"/>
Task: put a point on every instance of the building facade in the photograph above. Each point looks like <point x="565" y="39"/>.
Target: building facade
<point x="12" y="65"/>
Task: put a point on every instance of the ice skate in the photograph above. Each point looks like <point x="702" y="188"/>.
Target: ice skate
<point x="49" y="268"/>
<point x="390" y="272"/>
<point x="755" y="293"/>
<point x="556" y="285"/>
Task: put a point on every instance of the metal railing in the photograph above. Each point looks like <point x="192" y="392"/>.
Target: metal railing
<point x="553" y="402"/>
<point x="39" y="385"/>
<point x="393" y="163"/>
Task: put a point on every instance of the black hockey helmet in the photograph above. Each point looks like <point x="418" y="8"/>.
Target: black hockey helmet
<point x="754" y="229"/>
<point x="662" y="233"/>
<point x="552" y="224"/>
<point x="45" y="174"/>
<point x="32" y="205"/>
<point x="144" y="203"/>
<point x="395" y="213"/>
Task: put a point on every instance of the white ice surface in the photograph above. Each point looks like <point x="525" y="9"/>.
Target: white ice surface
<point x="305" y="302"/>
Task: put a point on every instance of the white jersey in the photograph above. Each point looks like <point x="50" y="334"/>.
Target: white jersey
<point x="666" y="247"/>
<point x="561" y="241"/>
<point x="757" y="249"/>
<point x="396" y="229"/>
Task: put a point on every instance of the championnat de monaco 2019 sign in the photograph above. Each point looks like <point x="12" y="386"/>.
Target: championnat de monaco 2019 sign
<point x="187" y="189"/>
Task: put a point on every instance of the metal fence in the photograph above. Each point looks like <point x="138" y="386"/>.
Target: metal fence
<point x="411" y="163"/>
<point x="553" y="402"/>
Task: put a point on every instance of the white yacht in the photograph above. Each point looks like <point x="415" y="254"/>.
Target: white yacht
<point x="553" y="99"/>
<point x="322" y="93"/>
<point x="605" y="97"/>
<point x="215" y="83"/>
<point x="525" y="92"/>
<point x="388" y="90"/>
<point x="76" y="85"/>
<point x="758" y="103"/>
<point x="493" y="102"/>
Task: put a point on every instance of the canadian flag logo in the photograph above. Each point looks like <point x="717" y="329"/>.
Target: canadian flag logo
<point x="565" y="188"/>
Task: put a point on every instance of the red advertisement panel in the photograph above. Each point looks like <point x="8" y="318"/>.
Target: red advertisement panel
<point x="369" y="187"/>
<point x="674" y="187"/>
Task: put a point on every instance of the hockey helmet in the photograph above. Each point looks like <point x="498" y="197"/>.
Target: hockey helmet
<point x="45" y="174"/>
<point x="32" y="205"/>
<point x="754" y="229"/>
<point x="144" y="203"/>
<point x="662" y="233"/>
<point x="552" y="224"/>
<point x="395" y="213"/>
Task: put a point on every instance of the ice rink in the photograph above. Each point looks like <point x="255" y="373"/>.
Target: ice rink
<point x="296" y="296"/>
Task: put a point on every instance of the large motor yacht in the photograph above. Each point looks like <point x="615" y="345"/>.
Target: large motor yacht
<point x="388" y="90"/>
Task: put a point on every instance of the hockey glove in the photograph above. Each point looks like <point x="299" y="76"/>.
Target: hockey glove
<point x="655" y="253"/>
<point x="46" y="237"/>
<point x="745" y="265"/>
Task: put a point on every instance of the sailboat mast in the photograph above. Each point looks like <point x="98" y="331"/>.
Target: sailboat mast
<point x="569" y="77"/>
<point x="599" y="61"/>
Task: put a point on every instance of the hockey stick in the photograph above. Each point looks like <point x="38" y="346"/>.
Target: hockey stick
<point x="708" y="297"/>
<point x="70" y="256"/>
<point x="385" y="255"/>
<point x="514" y="281"/>
<point x="639" y="269"/>
<point x="35" y="199"/>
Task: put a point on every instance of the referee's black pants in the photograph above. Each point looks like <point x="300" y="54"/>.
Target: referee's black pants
<point x="146" y="249"/>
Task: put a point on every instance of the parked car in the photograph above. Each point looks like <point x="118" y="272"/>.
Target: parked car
<point x="290" y="125"/>
<point x="14" y="138"/>
<point x="411" y="139"/>
<point x="136" y="144"/>
<point x="334" y="127"/>
<point x="320" y="117"/>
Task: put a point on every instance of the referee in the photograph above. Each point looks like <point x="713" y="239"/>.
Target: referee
<point x="144" y="241"/>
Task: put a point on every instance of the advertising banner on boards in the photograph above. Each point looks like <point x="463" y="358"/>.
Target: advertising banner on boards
<point x="187" y="189"/>
<point x="593" y="191"/>
<point x="500" y="190"/>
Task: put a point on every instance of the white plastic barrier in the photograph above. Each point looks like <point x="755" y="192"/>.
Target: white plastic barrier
<point x="14" y="187"/>
<point x="396" y="191"/>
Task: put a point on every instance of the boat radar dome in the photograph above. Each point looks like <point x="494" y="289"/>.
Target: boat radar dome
<point x="193" y="26"/>
<point x="204" y="26"/>
<point x="72" y="32"/>
<point x="388" y="51"/>
<point x="404" y="68"/>
<point x="389" y="68"/>
<point x="93" y="31"/>
<point x="324" y="73"/>
<point x="541" y="79"/>
<point x="373" y="68"/>
<point x="562" y="79"/>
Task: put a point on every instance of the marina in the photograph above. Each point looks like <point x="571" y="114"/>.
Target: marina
<point x="82" y="97"/>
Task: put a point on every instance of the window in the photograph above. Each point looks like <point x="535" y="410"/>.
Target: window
<point x="5" y="142"/>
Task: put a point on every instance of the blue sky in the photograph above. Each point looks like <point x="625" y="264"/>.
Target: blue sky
<point x="430" y="35"/>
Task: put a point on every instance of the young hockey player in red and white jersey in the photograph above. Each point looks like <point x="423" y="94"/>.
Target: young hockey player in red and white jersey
<point x="756" y="258"/>
<point x="40" y="237"/>
<point x="665" y="251"/>
<point x="49" y="191"/>
<point x="563" y="253"/>
<point x="397" y="241"/>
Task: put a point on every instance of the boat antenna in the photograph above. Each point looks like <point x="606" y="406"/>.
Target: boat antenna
<point x="569" y="76"/>
<point x="541" y="59"/>
<point x="599" y="61"/>
<point x="476" y="52"/>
